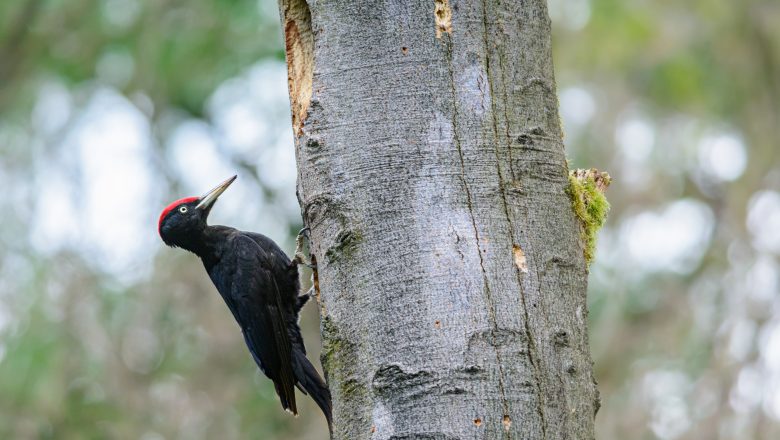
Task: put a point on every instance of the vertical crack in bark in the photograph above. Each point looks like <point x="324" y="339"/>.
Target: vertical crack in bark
<point x="299" y="48"/>
<point x="488" y="293"/>
<point x="532" y="352"/>
<point x="506" y="111"/>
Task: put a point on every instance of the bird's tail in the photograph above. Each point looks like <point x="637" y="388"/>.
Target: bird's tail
<point x="310" y="382"/>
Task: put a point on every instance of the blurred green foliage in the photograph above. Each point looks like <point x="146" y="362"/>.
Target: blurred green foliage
<point x="205" y="41"/>
<point x="678" y="351"/>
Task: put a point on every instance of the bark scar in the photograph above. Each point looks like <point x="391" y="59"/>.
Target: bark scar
<point x="299" y="48"/>
<point x="443" y="15"/>
<point x="520" y="260"/>
<point x="507" y="422"/>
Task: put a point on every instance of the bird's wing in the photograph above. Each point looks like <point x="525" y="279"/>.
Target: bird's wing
<point x="261" y="313"/>
<point x="287" y="281"/>
<point x="269" y="246"/>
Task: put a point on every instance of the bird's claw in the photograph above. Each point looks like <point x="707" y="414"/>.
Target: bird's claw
<point x="300" y="257"/>
<point x="303" y="299"/>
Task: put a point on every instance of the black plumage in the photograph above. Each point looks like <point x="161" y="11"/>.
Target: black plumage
<point x="260" y="286"/>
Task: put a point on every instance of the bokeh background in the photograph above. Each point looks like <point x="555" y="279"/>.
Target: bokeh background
<point x="109" y="109"/>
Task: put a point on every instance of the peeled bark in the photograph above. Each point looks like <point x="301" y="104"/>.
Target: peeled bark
<point x="451" y="278"/>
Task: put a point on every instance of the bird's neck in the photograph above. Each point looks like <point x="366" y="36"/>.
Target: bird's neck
<point x="205" y="243"/>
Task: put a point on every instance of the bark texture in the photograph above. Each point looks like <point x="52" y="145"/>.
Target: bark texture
<point x="451" y="278"/>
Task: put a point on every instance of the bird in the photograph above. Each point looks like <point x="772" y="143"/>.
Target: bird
<point x="260" y="286"/>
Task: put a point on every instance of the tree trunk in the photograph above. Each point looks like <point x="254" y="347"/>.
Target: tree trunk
<point x="451" y="278"/>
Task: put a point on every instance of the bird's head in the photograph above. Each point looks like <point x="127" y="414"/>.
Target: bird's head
<point x="184" y="220"/>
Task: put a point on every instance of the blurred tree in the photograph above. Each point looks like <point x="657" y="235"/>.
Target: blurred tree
<point x="451" y="272"/>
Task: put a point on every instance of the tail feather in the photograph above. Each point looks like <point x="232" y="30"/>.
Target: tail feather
<point x="311" y="383"/>
<point x="287" y="400"/>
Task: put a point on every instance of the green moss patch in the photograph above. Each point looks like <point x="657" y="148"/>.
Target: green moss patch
<point x="586" y="190"/>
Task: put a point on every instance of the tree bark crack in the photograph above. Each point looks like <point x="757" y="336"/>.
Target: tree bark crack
<point x="529" y="337"/>
<point x="488" y="294"/>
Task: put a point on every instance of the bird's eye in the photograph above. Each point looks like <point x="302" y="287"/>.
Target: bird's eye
<point x="183" y="209"/>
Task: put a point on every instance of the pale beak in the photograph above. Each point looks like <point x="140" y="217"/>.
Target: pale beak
<point x="208" y="199"/>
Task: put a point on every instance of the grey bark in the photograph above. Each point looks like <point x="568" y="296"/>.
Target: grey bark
<point x="451" y="279"/>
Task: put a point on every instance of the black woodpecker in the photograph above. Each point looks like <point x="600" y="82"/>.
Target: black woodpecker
<point x="259" y="284"/>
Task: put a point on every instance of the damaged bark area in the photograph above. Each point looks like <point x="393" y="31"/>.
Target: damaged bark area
<point x="432" y="175"/>
<point x="443" y="17"/>
<point x="299" y="49"/>
<point x="520" y="260"/>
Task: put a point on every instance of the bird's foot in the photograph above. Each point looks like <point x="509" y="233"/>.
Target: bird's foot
<point x="300" y="257"/>
<point x="303" y="299"/>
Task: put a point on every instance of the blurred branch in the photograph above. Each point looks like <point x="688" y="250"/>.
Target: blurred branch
<point x="248" y="167"/>
<point x="251" y="169"/>
<point x="767" y="65"/>
<point x="11" y="53"/>
<point x="766" y="58"/>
